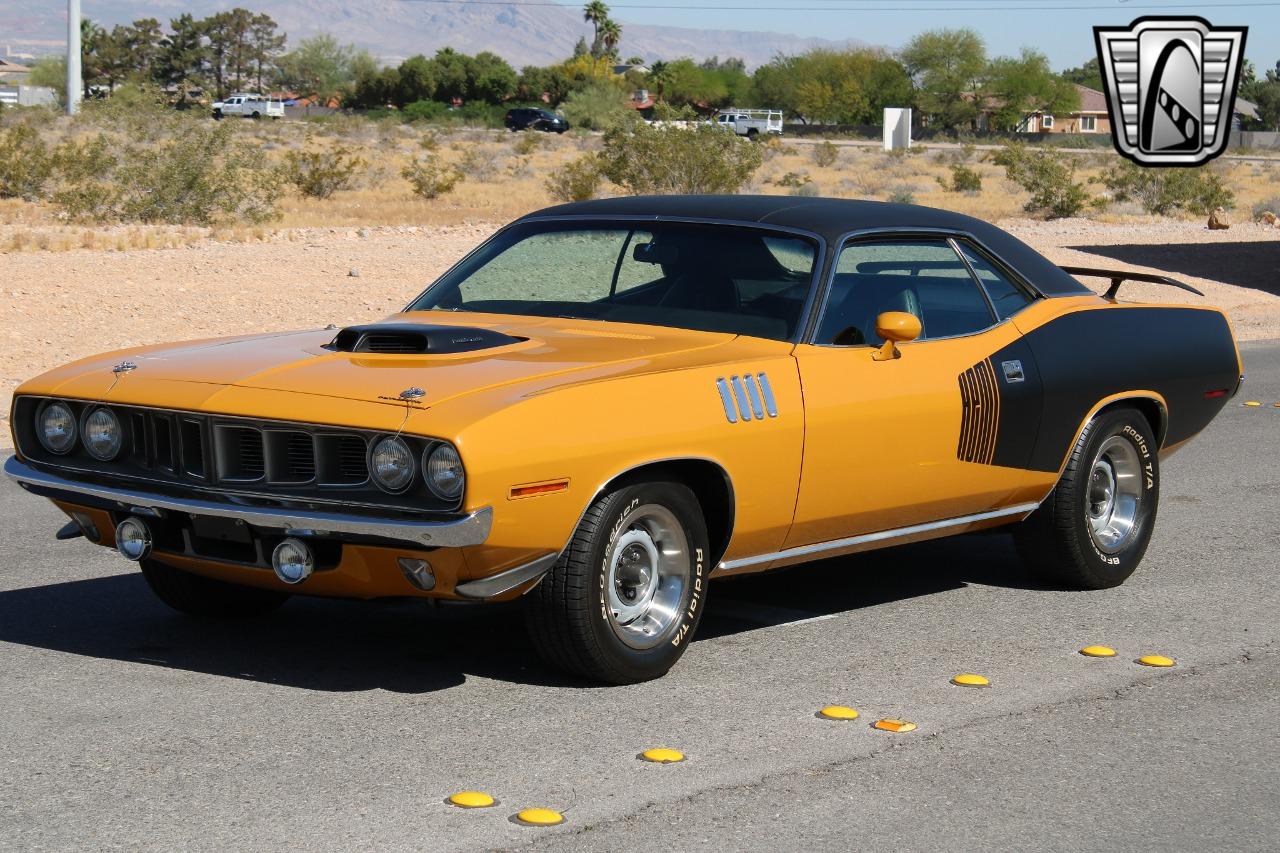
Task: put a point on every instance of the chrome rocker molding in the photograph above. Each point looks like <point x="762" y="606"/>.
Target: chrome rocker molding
<point x="470" y="529"/>
<point x="506" y="581"/>
<point x="883" y="537"/>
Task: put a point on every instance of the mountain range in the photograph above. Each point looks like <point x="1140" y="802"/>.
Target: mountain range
<point x="524" y="32"/>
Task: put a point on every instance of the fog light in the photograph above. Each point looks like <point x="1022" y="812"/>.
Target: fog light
<point x="292" y="561"/>
<point x="418" y="573"/>
<point x="133" y="539"/>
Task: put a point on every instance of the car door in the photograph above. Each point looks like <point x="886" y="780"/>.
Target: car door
<point x="909" y="440"/>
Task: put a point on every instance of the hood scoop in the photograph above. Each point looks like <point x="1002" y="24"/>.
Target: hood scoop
<point x="417" y="339"/>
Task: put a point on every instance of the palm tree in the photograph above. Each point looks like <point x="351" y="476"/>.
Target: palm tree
<point x="596" y="13"/>
<point x="610" y="35"/>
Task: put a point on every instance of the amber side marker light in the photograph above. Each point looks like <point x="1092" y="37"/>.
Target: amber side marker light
<point x="538" y="489"/>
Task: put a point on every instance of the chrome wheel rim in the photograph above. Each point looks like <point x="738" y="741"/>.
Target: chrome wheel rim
<point x="647" y="571"/>
<point x="1114" y="495"/>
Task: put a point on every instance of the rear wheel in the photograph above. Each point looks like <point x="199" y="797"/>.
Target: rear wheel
<point x="206" y="597"/>
<point x="1093" y="530"/>
<point x="626" y="596"/>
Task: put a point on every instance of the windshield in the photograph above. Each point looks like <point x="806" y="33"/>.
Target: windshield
<point x="714" y="278"/>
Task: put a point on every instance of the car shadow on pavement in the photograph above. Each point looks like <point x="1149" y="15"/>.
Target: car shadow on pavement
<point x="407" y="646"/>
<point x="1251" y="264"/>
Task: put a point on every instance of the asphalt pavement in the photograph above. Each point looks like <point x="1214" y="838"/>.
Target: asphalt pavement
<point x="345" y="725"/>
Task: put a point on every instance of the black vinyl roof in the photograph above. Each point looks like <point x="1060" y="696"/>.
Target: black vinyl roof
<point x="831" y="219"/>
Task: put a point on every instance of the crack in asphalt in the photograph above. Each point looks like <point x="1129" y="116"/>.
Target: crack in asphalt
<point x="1127" y="692"/>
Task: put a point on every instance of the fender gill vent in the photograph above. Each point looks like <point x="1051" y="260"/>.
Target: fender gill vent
<point x="979" y="415"/>
<point x="417" y="339"/>
<point x="747" y="397"/>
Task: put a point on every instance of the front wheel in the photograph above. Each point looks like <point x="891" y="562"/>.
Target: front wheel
<point x="1093" y="529"/>
<point x="205" y="597"/>
<point x="627" y="595"/>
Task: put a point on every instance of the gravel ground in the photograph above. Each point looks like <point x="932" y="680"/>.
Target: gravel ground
<point x="66" y="305"/>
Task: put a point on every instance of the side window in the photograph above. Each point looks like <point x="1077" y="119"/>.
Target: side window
<point x="921" y="276"/>
<point x="1007" y="297"/>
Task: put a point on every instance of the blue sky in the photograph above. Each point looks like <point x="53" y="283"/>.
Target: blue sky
<point x="1065" y="35"/>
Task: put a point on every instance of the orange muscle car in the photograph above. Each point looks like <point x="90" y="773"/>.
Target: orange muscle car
<point x="609" y="404"/>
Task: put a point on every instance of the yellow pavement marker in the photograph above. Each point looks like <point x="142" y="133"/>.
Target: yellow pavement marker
<point x="662" y="755"/>
<point x="1252" y="403"/>
<point x="968" y="679"/>
<point x="1098" y="652"/>
<point x="838" y="712"/>
<point x="1156" y="660"/>
<point x="471" y="800"/>
<point x="896" y="726"/>
<point x="539" y="817"/>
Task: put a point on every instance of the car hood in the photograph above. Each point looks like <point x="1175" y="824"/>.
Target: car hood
<point x="547" y="352"/>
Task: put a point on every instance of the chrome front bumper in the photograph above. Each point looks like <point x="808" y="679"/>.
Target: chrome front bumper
<point x="456" y="532"/>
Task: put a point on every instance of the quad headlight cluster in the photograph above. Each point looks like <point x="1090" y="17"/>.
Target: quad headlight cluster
<point x="394" y="463"/>
<point x="393" y="466"/>
<point x="98" y="429"/>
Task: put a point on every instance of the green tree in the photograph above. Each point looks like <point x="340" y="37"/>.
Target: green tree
<point x="319" y="67"/>
<point x="490" y="78"/>
<point x="596" y="13"/>
<point x="610" y="36"/>
<point x="947" y="66"/>
<point x="415" y="81"/>
<point x="50" y="72"/>
<point x="841" y="87"/>
<point x="265" y="44"/>
<point x="1087" y="75"/>
<point x="1024" y="86"/>
<point x="180" y="63"/>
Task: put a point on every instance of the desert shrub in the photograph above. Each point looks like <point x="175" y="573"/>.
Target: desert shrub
<point x="793" y="180"/>
<point x="201" y="177"/>
<point x="963" y="180"/>
<point x="26" y="163"/>
<point x="1271" y="204"/>
<point x="423" y="111"/>
<point x="595" y="106"/>
<point x="825" y="154"/>
<point x="429" y="178"/>
<point x="477" y="164"/>
<point x="1048" y="177"/>
<point x="902" y="195"/>
<point x="429" y="141"/>
<point x="698" y="159"/>
<point x="527" y="144"/>
<point x="1163" y="191"/>
<point x="85" y="189"/>
<point x="578" y="180"/>
<point x="321" y="172"/>
<point x="809" y="190"/>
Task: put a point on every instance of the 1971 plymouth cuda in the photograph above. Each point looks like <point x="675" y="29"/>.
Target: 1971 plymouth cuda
<point x="611" y="403"/>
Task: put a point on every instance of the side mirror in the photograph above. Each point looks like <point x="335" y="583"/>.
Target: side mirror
<point x="895" y="327"/>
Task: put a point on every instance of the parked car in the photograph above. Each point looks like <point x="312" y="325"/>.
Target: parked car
<point x="248" y="106"/>
<point x="611" y="403"/>
<point x="535" y="119"/>
<point x="750" y="123"/>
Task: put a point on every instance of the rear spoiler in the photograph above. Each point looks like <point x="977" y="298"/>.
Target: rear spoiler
<point x="1118" y="278"/>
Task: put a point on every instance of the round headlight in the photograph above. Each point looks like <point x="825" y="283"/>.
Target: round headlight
<point x="102" y="435"/>
<point x="391" y="464"/>
<point x="56" y="428"/>
<point x="445" y="476"/>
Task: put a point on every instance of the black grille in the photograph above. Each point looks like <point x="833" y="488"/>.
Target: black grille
<point x="351" y="458"/>
<point x="300" y="456"/>
<point x="395" y="343"/>
<point x="192" y="443"/>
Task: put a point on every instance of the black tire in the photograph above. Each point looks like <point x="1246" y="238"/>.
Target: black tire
<point x="205" y="597"/>
<point x="752" y="133"/>
<point x="568" y="615"/>
<point x="1057" y="542"/>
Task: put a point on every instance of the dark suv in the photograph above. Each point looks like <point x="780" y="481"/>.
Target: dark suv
<point x="535" y="119"/>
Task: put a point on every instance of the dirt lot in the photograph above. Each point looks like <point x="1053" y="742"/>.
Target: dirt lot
<point x="64" y="305"/>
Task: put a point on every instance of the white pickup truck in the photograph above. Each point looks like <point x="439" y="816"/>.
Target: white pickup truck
<point x="248" y="106"/>
<point x="750" y="123"/>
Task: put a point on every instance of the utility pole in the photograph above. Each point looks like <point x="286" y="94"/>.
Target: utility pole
<point x="73" y="57"/>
